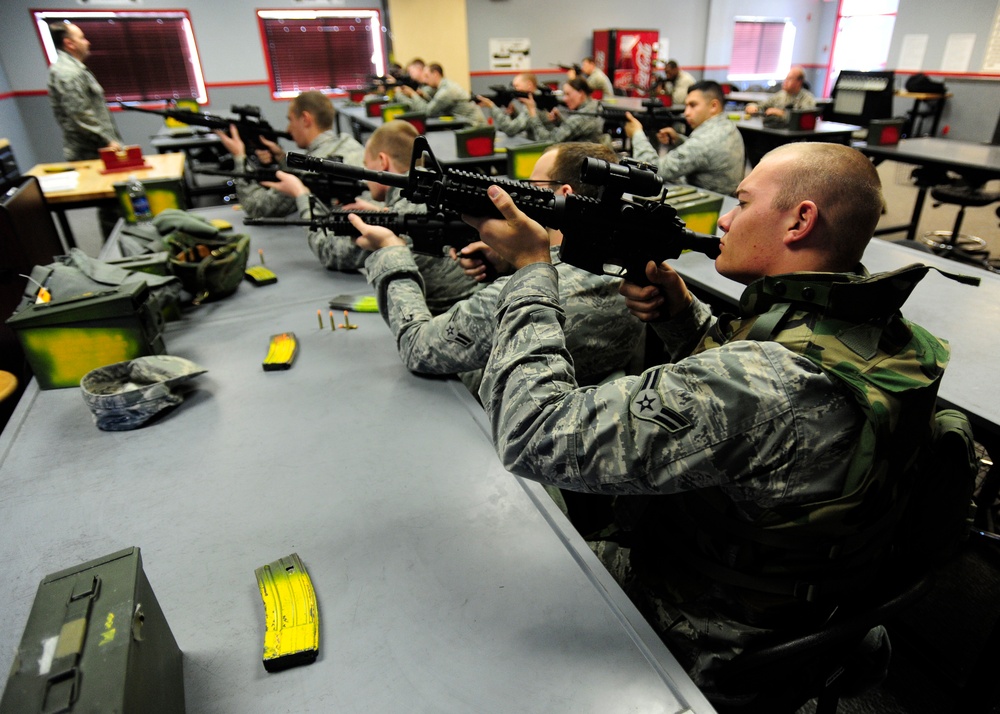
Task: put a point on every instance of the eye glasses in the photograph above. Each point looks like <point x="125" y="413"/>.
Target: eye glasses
<point x="543" y="182"/>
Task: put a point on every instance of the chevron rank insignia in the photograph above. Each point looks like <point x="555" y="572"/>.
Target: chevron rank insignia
<point x="646" y="405"/>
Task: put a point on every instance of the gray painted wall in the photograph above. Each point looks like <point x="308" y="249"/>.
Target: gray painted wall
<point x="699" y="34"/>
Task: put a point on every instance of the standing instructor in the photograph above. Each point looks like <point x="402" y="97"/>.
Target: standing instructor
<point x="77" y="97"/>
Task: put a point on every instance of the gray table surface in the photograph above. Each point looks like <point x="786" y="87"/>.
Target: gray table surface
<point x="944" y="153"/>
<point x="444" y="583"/>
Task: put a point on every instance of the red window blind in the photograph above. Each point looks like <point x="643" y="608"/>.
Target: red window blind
<point x="323" y="52"/>
<point x="756" y="48"/>
<point x="140" y="56"/>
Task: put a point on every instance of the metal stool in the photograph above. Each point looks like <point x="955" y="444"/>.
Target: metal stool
<point x="955" y="243"/>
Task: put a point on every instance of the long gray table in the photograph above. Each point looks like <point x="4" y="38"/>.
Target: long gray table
<point x="977" y="163"/>
<point x="444" y="583"/>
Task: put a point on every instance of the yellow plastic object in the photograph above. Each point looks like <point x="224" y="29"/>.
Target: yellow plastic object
<point x="221" y="224"/>
<point x="291" y="615"/>
<point x="281" y="351"/>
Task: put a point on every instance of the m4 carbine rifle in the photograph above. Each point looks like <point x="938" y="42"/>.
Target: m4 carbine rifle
<point x="608" y="235"/>
<point x="653" y="117"/>
<point x="248" y="122"/>
<point x="326" y="187"/>
<point x="429" y="233"/>
<point x="503" y="95"/>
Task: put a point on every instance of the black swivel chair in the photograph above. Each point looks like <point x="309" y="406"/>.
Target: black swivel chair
<point x="849" y="653"/>
<point x="954" y="243"/>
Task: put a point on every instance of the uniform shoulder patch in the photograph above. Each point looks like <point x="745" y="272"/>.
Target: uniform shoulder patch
<point x="647" y="405"/>
<point x="453" y="334"/>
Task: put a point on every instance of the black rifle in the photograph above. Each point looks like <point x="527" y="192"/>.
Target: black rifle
<point x="395" y="80"/>
<point x="567" y="67"/>
<point x="502" y="96"/>
<point x="430" y="233"/>
<point x="324" y="186"/>
<point x="248" y="122"/>
<point x="653" y="117"/>
<point x="607" y="235"/>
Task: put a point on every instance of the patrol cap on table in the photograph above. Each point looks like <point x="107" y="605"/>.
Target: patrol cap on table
<point x="126" y="395"/>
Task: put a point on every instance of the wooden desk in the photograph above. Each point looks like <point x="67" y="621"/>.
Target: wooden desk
<point x="759" y="139"/>
<point x="95" y="188"/>
<point x="444" y="583"/>
<point x="975" y="162"/>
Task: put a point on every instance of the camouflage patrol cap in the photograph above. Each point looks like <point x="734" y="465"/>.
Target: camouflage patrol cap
<point x="126" y="395"/>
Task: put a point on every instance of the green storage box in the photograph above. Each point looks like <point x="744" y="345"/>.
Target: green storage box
<point x="698" y="208"/>
<point x="65" y="339"/>
<point x="96" y="641"/>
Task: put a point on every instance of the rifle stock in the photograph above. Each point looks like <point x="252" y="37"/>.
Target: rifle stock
<point x="248" y="123"/>
<point x="611" y="234"/>
<point x="429" y="233"/>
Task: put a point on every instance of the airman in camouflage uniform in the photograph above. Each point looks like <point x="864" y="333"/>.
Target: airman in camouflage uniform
<point x="513" y="119"/>
<point x="389" y="148"/>
<point x="584" y="125"/>
<point x="764" y="438"/>
<point x="601" y="335"/>
<point x="78" y="99"/>
<point x="311" y="118"/>
<point x="711" y="157"/>
<point x="446" y="98"/>
<point x="792" y="95"/>
<point x="597" y="80"/>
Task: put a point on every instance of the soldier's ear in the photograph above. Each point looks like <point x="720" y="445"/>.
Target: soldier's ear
<point x="802" y="220"/>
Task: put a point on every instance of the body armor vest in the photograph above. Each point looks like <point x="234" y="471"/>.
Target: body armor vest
<point x="850" y="327"/>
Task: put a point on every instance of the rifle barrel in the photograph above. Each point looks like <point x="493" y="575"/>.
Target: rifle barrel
<point x="338" y="168"/>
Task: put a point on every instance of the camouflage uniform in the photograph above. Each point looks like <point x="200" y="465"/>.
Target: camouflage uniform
<point x="783" y="100"/>
<point x="260" y="202"/>
<point x="601" y="335"/>
<point x="711" y="157"/>
<point x="448" y="99"/>
<point x="446" y="282"/>
<point x="584" y="125"/>
<point x="797" y="429"/>
<point x="678" y="87"/>
<point x="599" y="82"/>
<point x="78" y="103"/>
<point x="512" y="125"/>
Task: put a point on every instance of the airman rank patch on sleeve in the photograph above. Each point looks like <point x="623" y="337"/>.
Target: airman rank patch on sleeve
<point x="453" y="334"/>
<point x="647" y="405"/>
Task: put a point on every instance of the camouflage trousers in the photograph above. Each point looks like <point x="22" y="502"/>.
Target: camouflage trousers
<point x="701" y="642"/>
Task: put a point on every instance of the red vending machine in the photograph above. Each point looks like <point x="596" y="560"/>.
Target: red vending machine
<point x="627" y="57"/>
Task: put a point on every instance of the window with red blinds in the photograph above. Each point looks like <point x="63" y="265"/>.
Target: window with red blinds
<point x="323" y="52"/>
<point x="138" y="56"/>
<point x="757" y="48"/>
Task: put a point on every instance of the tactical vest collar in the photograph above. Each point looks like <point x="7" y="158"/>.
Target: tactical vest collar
<point x="846" y="296"/>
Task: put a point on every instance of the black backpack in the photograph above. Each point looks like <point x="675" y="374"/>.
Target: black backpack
<point x="920" y="82"/>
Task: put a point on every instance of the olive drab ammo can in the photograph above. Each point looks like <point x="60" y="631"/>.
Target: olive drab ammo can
<point x="66" y="338"/>
<point x="96" y="642"/>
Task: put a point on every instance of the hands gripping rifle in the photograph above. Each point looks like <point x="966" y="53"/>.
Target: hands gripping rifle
<point x="429" y="233"/>
<point x="503" y="95"/>
<point x="611" y="234"/>
<point x="325" y="187"/>
<point x="247" y="121"/>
